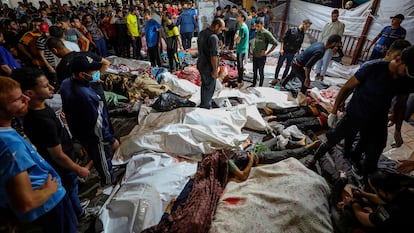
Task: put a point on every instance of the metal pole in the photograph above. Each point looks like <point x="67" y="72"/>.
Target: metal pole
<point x="364" y="32"/>
<point x="284" y="20"/>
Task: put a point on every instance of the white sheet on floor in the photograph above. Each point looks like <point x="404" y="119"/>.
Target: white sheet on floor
<point x="280" y="197"/>
<point x="181" y="87"/>
<point x="151" y="181"/>
<point x="186" y="132"/>
<point x="337" y="70"/>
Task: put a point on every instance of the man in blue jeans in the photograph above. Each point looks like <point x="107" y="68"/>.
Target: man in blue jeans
<point x="291" y="43"/>
<point x="29" y="186"/>
<point x="48" y="133"/>
<point x="188" y="25"/>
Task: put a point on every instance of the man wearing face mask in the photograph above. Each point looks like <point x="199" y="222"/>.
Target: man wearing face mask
<point x="87" y="115"/>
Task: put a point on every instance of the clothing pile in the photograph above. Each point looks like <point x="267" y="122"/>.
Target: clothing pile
<point x="191" y="74"/>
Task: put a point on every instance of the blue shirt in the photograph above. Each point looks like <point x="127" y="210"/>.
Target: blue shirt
<point x="17" y="156"/>
<point x="311" y="55"/>
<point x="371" y="99"/>
<point x="387" y="36"/>
<point x="151" y="32"/>
<point x="187" y="22"/>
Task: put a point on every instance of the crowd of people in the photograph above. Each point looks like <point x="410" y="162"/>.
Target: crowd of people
<point x="41" y="185"/>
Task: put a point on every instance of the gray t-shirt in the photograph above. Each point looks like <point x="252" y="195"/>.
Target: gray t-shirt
<point x="72" y="34"/>
<point x="208" y="46"/>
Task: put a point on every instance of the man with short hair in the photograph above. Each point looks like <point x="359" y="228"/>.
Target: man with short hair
<point x="291" y="44"/>
<point x="208" y="60"/>
<point x="153" y="35"/>
<point x="188" y="25"/>
<point x="374" y="86"/>
<point x="48" y="133"/>
<point x="242" y="45"/>
<point x="231" y="27"/>
<point x="87" y="115"/>
<point x="335" y="27"/>
<point x="132" y="21"/>
<point x="386" y="37"/>
<point x="173" y="41"/>
<point x="303" y="63"/>
<point x="258" y="47"/>
<point x="29" y="186"/>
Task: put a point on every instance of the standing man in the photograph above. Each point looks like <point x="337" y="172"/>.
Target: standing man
<point x="242" y="46"/>
<point x="173" y="41"/>
<point x="386" y="37"/>
<point x="132" y="22"/>
<point x="303" y="63"/>
<point x="97" y="36"/>
<point x="153" y="35"/>
<point x="48" y="133"/>
<point x="373" y="86"/>
<point x="335" y="27"/>
<point x="87" y="115"/>
<point x="291" y="44"/>
<point x="258" y="48"/>
<point x="208" y="60"/>
<point x="188" y="25"/>
<point x="231" y="27"/>
<point x="29" y="186"/>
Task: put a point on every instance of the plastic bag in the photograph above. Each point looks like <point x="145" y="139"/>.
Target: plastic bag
<point x="169" y="101"/>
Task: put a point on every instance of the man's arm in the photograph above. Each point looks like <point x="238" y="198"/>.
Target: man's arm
<point x="214" y="64"/>
<point x="362" y="215"/>
<point x="85" y="43"/>
<point x="6" y="69"/>
<point x="42" y="56"/>
<point x="372" y="43"/>
<point x="105" y="65"/>
<point x="21" y="195"/>
<point x="400" y="108"/>
<point x="243" y="175"/>
<point x="343" y="94"/>
<point x="23" y="49"/>
<point x="59" y="156"/>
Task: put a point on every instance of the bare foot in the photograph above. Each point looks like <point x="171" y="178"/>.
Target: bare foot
<point x="247" y="143"/>
<point x="313" y="145"/>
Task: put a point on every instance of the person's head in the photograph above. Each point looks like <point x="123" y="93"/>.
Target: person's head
<point x="36" y="24"/>
<point x="147" y="15"/>
<point x="33" y="83"/>
<point x="88" y="19"/>
<point x="57" y="47"/>
<point x="135" y="11"/>
<point x="349" y="4"/>
<point x="242" y="16"/>
<point x="64" y="22"/>
<point x="333" y="41"/>
<point x="76" y="22"/>
<point x="13" y="103"/>
<point x="167" y="17"/>
<point x="306" y="24"/>
<point x="86" y="69"/>
<point x="44" y="28"/>
<point x="234" y="9"/>
<point x="218" y="25"/>
<point x="12" y="25"/>
<point x="387" y="184"/>
<point x="56" y="31"/>
<point x="397" y="20"/>
<point x="396" y="48"/>
<point x="335" y="15"/>
<point x="407" y="58"/>
<point x="218" y="10"/>
<point x="259" y="24"/>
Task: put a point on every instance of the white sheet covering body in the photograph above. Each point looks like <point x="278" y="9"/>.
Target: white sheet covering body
<point x="150" y="182"/>
<point x="280" y="197"/>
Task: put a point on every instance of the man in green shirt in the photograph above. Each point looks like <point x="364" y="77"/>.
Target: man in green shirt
<point x="258" y="47"/>
<point x="242" y="41"/>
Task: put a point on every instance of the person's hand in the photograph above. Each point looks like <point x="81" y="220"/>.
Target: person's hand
<point x="263" y="53"/>
<point x="307" y="82"/>
<point x="281" y="52"/>
<point x="406" y="166"/>
<point x="132" y="38"/>
<point x="51" y="184"/>
<point x="332" y="119"/>
<point x="83" y="172"/>
<point x="115" y="145"/>
<point x="398" y="139"/>
<point x="52" y="70"/>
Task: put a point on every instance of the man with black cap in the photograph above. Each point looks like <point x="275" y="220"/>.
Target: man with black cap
<point x="386" y="37"/>
<point x="374" y="86"/>
<point x="87" y="115"/>
<point x="291" y="43"/>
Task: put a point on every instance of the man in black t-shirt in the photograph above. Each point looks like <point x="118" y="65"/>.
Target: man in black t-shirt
<point x="48" y="133"/>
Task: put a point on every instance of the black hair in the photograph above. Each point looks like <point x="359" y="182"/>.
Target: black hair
<point x="390" y="182"/>
<point x="217" y="21"/>
<point x="399" y="45"/>
<point x="335" y="12"/>
<point x="63" y="18"/>
<point x="55" y="43"/>
<point x="234" y="7"/>
<point x="56" y="31"/>
<point x="218" y="8"/>
<point x="334" y="39"/>
<point x="27" y="77"/>
<point x="168" y="15"/>
<point x="241" y="159"/>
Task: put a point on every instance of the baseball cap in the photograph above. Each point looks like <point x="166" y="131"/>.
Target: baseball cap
<point x="84" y="64"/>
<point x="44" y="27"/>
<point x="307" y="21"/>
<point x="407" y="57"/>
<point x="399" y="16"/>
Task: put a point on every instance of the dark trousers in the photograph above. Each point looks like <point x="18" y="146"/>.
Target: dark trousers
<point x="240" y="66"/>
<point x="154" y="56"/>
<point x="299" y="72"/>
<point x="60" y="219"/>
<point x="70" y="182"/>
<point x="373" y="136"/>
<point x="258" y="65"/>
<point x="208" y="85"/>
<point x="186" y="39"/>
<point x="101" y="156"/>
<point x="229" y="38"/>
<point x="173" y="61"/>
<point x="288" y="57"/>
<point x="136" y="47"/>
<point x="101" y="47"/>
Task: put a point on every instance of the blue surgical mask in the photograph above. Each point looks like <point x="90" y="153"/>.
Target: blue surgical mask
<point x="95" y="77"/>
